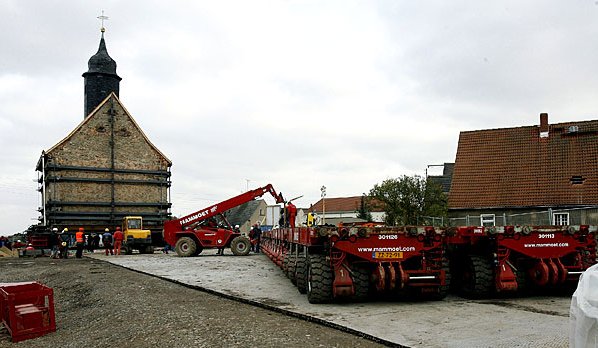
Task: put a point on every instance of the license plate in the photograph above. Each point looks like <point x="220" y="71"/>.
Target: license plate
<point x="388" y="255"/>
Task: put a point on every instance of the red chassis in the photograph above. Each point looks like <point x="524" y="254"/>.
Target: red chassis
<point x="519" y="258"/>
<point x="331" y="263"/>
<point x="202" y="230"/>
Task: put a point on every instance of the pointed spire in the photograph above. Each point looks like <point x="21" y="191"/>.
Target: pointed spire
<point x="101" y="61"/>
<point x="101" y="78"/>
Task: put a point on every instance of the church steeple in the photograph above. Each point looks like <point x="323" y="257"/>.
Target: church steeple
<point x="101" y="78"/>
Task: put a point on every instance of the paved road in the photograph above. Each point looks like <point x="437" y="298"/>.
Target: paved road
<point x="454" y="322"/>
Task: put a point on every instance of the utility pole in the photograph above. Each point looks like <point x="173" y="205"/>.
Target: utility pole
<point x="323" y="189"/>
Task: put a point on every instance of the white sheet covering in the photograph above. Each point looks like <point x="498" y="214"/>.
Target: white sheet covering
<point x="583" y="315"/>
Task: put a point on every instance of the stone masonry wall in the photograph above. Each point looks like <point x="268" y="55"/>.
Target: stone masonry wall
<point x="89" y="146"/>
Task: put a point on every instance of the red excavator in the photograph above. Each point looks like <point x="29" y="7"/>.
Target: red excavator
<point x="208" y="228"/>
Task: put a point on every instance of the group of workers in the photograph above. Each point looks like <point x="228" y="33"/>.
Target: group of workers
<point x="288" y="217"/>
<point x="60" y="242"/>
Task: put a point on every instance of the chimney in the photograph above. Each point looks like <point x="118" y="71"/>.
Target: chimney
<point x="543" y="125"/>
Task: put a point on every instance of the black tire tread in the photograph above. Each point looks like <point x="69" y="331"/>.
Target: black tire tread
<point x="482" y="282"/>
<point x="192" y="247"/>
<point x="360" y="274"/>
<point x="285" y="263"/>
<point x="240" y="240"/>
<point x="291" y="268"/>
<point x="320" y="280"/>
<point x="443" y="290"/>
<point x="301" y="273"/>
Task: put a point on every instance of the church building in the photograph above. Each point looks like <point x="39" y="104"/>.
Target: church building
<point x="106" y="167"/>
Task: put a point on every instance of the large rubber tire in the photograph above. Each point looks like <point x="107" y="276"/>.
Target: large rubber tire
<point x="301" y="273"/>
<point x="479" y="280"/>
<point x="319" y="280"/>
<point x="443" y="290"/>
<point x="185" y="247"/>
<point x="240" y="246"/>
<point x="360" y="274"/>
<point x="285" y="264"/>
<point x="291" y="268"/>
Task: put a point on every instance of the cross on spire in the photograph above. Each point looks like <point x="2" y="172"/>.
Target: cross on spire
<point x="102" y="18"/>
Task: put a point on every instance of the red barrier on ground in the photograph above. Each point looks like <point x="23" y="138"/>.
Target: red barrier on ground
<point x="27" y="309"/>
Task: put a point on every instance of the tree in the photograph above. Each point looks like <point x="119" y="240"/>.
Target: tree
<point x="435" y="202"/>
<point x="408" y="199"/>
<point x="364" y="211"/>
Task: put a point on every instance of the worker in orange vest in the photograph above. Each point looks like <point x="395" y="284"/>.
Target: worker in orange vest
<point x="80" y="238"/>
<point x="118" y="240"/>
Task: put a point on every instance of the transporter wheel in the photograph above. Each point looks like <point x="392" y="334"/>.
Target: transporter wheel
<point x="127" y="250"/>
<point x="285" y="263"/>
<point x="319" y="280"/>
<point x="443" y="290"/>
<point x="478" y="279"/>
<point x="185" y="247"/>
<point x="301" y="273"/>
<point x="240" y="246"/>
<point x="291" y="268"/>
<point x="360" y="274"/>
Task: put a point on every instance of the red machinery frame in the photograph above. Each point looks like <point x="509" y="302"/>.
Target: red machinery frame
<point x="350" y="262"/>
<point x="520" y="257"/>
<point x="189" y="238"/>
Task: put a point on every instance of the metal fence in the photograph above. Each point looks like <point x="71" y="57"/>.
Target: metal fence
<point x="574" y="216"/>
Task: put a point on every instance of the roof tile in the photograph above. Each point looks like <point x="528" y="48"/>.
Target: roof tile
<point x="514" y="167"/>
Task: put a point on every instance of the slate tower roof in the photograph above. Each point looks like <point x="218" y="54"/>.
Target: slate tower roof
<point x="100" y="79"/>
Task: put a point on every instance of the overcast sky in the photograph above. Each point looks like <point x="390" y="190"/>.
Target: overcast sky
<point x="299" y="94"/>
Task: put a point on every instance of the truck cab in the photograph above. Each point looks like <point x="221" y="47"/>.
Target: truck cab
<point x="135" y="237"/>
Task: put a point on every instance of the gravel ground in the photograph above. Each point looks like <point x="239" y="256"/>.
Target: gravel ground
<point x="102" y="305"/>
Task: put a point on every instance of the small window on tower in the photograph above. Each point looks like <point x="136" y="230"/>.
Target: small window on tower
<point x="577" y="180"/>
<point x="101" y="129"/>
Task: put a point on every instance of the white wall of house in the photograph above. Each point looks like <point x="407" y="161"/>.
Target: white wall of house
<point x="272" y="215"/>
<point x="376" y="216"/>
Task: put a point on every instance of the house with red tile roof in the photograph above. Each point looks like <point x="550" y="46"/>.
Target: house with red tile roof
<point x="346" y="209"/>
<point x="542" y="174"/>
<point x="444" y="180"/>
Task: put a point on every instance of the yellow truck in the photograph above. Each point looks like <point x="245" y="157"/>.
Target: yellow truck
<point x="135" y="237"/>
